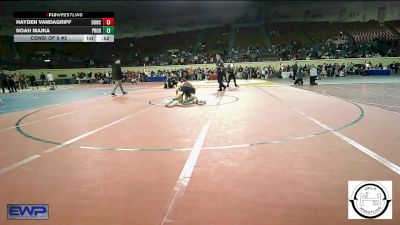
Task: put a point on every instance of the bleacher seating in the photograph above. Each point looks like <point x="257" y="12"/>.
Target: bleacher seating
<point x="395" y="25"/>
<point x="369" y="31"/>
<point x="282" y="33"/>
<point x="181" y="40"/>
<point x="216" y="39"/>
<point x="289" y="39"/>
<point x="321" y="30"/>
<point x="250" y="36"/>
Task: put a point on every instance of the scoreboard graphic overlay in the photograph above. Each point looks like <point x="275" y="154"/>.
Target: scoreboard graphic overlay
<point x="64" y="27"/>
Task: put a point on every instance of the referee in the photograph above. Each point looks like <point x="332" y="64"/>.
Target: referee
<point x="232" y="75"/>
<point x="117" y="76"/>
<point x="220" y="72"/>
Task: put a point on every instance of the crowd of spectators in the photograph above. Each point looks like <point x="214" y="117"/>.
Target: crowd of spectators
<point x="247" y="72"/>
<point x="13" y="81"/>
<point x="338" y="46"/>
<point x="183" y="57"/>
<point x="360" y="40"/>
<point x="341" y="70"/>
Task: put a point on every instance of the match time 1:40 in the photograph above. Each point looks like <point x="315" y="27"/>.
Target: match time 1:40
<point x="104" y="30"/>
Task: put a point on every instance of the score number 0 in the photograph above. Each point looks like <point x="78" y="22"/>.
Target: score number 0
<point x="108" y="25"/>
<point x="108" y="21"/>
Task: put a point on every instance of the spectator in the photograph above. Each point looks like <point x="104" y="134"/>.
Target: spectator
<point x="11" y="83"/>
<point x="4" y="81"/>
<point x="299" y="79"/>
<point x="313" y="75"/>
<point x="23" y="82"/>
<point x="50" y="79"/>
<point x="295" y="68"/>
<point x="43" y="79"/>
<point x="32" y="79"/>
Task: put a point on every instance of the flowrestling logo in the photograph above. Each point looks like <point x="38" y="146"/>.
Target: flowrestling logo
<point x="370" y="200"/>
<point x="27" y="211"/>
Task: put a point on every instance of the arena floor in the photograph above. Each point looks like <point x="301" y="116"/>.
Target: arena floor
<point x="263" y="153"/>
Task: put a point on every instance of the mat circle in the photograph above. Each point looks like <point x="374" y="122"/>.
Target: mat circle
<point x="356" y="120"/>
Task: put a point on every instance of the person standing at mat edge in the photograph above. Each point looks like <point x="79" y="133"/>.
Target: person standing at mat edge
<point x="50" y="79"/>
<point x="220" y="72"/>
<point x="232" y="75"/>
<point x="295" y="68"/>
<point x="4" y="81"/>
<point x="313" y="75"/>
<point x="117" y="76"/>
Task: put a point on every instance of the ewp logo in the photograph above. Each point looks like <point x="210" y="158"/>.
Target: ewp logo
<point x="28" y="212"/>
